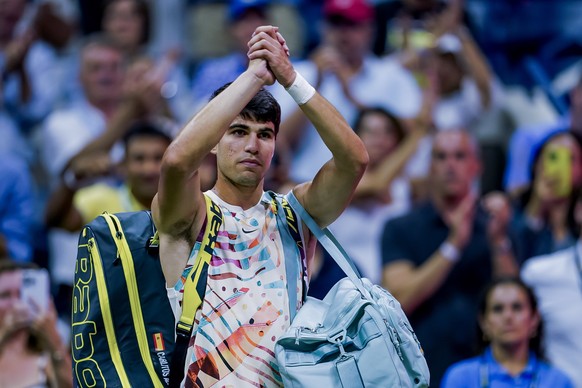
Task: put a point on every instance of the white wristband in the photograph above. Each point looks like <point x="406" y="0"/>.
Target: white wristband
<point x="300" y="90"/>
<point x="449" y="252"/>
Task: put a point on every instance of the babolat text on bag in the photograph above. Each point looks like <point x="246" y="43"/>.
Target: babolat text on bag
<point x="122" y="322"/>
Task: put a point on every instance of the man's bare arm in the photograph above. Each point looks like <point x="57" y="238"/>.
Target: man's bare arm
<point x="60" y="210"/>
<point x="179" y="206"/>
<point x="412" y="285"/>
<point x="332" y="188"/>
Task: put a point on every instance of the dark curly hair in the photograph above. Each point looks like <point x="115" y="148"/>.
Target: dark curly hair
<point x="263" y="107"/>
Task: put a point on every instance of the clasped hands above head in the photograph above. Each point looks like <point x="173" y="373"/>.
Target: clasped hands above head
<point x="268" y="44"/>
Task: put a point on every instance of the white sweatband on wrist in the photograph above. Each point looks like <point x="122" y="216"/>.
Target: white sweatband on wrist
<point x="300" y="90"/>
<point x="449" y="252"/>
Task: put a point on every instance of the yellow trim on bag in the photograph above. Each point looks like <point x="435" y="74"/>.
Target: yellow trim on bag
<point x="134" y="301"/>
<point x="106" y="312"/>
<point x="192" y="300"/>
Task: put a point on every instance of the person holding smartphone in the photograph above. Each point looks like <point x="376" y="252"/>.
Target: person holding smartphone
<point x="32" y="353"/>
<point x="543" y="222"/>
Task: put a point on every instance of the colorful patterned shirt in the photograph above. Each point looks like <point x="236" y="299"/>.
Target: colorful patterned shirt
<point x="246" y="306"/>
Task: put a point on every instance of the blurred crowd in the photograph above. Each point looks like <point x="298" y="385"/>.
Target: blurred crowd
<point x="475" y="170"/>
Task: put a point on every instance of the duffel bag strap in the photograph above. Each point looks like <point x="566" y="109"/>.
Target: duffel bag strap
<point x="288" y="228"/>
<point x="194" y="290"/>
<point x="330" y="243"/>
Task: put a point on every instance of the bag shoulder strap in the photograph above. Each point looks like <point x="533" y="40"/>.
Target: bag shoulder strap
<point x="104" y="302"/>
<point x="194" y="290"/>
<point x="287" y="221"/>
<point x="330" y="243"/>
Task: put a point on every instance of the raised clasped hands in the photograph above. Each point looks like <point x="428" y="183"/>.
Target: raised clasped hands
<point x="269" y="56"/>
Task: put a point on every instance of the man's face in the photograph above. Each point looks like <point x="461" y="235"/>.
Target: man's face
<point x="124" y="23"/>
<point x="10" y="282"/>
<point x="243" y="28"/>
<point x="379" y="136"/>
<point x="454" y="163"/>
<point x="143" y="161"/>
<point x="101" y="74"/>
<point x="351" y="40"/>
<point x="449" y="73"/>
<point x="245" y="152"/>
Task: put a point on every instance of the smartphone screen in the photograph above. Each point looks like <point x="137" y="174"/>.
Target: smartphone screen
<point x="35" y="289"/>
<point x="558" y="167"/>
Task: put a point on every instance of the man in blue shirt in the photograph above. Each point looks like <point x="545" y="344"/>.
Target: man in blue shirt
<point x="16" y="209"/>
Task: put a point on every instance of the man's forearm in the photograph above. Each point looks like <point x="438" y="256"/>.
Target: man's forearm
<point x="377" y="182"/>
<point x="346" y="147"/>
<point x="340" y="175"/>
<point x="414" y="287"/>
<point x="206" y="129"/>
<point x="117" y="127"/>
<point x="60" y="210"/>
<point x="478" y="66"/>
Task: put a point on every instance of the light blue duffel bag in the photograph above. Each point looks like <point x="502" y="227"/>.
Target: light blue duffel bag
<point x="357" y="336"/>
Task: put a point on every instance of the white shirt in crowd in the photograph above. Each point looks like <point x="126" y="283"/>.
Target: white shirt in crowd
<point x="557" y="284"/>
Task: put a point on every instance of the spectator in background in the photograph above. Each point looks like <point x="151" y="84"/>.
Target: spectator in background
<point x="127" y="23"/>
<point x="32" y="353"/>
<point x="67" y="130"/>
<point x="16" y="209"/>
<point x="383" y="192"/>
<point x="30" y="85"/>
<point x="113" y="98"/>
<point x="70" y="207"/>
<point x="433" y="38"/>
<point x="468" y="93"/>
<point x="464" y="244"/>
<point x="466" y="85"/>
<point x="523" y="142"/>
<point x="510" y="341"/>
<point x="55" y="22"/>
<point x="556" y="280"/>
<point x="244" y="16"/>
<point x="345" y="72"/>
<point x="543" y="222"/>
<point x="406" y="25"/>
